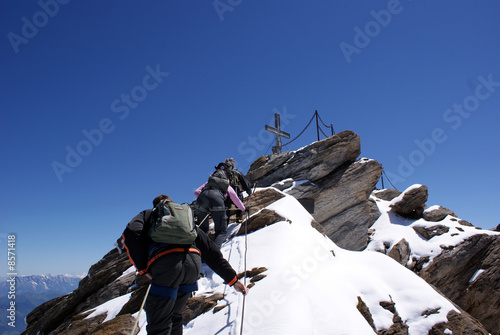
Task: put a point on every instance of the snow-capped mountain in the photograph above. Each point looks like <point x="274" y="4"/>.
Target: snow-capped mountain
<point x="40" y="284"/>
<point x="357" y="261"/>
<point x="30" y="292"/>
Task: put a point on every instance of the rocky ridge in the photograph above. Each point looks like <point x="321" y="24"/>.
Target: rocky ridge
<point x="342" y="198"/>
<point x="465" y="262"/>
<point x="338" y="188"/>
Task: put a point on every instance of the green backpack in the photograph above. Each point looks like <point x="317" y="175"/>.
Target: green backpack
<point x="174" y="224"/>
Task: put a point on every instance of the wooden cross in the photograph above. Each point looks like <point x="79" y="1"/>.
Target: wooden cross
<point x="276" y="130"/>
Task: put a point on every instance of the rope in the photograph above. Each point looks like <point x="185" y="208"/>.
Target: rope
<point x="245" y="259"/>
<point x="244" y="277"/>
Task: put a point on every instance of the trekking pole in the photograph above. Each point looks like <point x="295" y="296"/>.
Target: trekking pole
<point x="206" y="216"/>
<point x="140" y="310"/>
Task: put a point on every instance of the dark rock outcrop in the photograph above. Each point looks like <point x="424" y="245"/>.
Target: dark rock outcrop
<point x="387" y="194"/>
<point x="338" y="186"/>
<point x="430" y="232"/>
<point x="411" y="203"/>
<point x="261" y="199"/>
<point x="469" y="275"/>
<point x="400" y="252"/>
<point x="458" y="323"/>
<point x="311" y="163"/>
<point x="365" y="312"/>
<point x="199" y="305"/>
<point x="437" y="213"/>
<point x="260" y="220"/>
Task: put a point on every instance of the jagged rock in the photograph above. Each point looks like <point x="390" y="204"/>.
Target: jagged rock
<point x="387" y="194"/>
<point x="341" y="202"/>
<point x="132" y="306"/>
<point x="458" y="323"/>
<point x="465" y="223"/>
<point x="400" y="252"/>
<point x="346" y="187"/>
<point x="418" y="263"/>
<point x="199" y="305"/>
<point x="411" y="202"/>
<point x="318" y="227"/>
<point x="311" y="163"/>
<point x="437" y="213"/>
<point x="338" y="186"/>
<point x="252" y="273"/>
<point x="399" y="327"/>
<point x="451" y="272"/>
<point x="349" y="229"/>
<point x="430" y="232"/>
<point x="115" y="289"/>
<point x="365" y="311"/>
<point x="121" y="325"/>
<point x="257" y="278"/>
<point x="260" y="220"/>
<point x="283" y="185"/>
<point x="262" y="198"/>
<point x="79" y="325"/>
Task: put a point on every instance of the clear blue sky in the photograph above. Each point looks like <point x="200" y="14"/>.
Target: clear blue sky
<point x="151" y="96"/>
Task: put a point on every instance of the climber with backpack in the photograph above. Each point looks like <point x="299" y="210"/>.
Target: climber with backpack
<point x="164" y="244"/>
<point x="210" y="200"/>
<point x="239" y="183"/>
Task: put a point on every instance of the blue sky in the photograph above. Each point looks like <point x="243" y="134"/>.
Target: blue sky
<point x="107" y="104"/>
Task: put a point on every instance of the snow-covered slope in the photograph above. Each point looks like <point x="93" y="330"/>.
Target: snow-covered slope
<point x="311" y="286"/>
<point x="390" y="228"/>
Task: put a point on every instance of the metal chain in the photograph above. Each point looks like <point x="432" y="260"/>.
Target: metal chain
<point x="301" y="131"/>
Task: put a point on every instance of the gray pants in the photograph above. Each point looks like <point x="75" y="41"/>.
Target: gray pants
<point x="167" y="298"/>
<point x="212" y="202"/>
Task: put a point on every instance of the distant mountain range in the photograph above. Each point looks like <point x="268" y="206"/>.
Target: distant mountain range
<point x="30" y="292"/>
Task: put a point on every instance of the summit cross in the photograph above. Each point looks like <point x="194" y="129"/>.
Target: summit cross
<point x="276" y="130"/>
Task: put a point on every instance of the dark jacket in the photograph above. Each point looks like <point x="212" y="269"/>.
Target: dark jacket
<point x="138" y="245"/>
<point x="240" y="182"/>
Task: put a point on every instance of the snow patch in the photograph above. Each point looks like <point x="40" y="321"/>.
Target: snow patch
<point x="476" y="275"/>
<point x="400" y="197"/>
<point x="392" y="228"/>
<point x="111" y="307"/>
